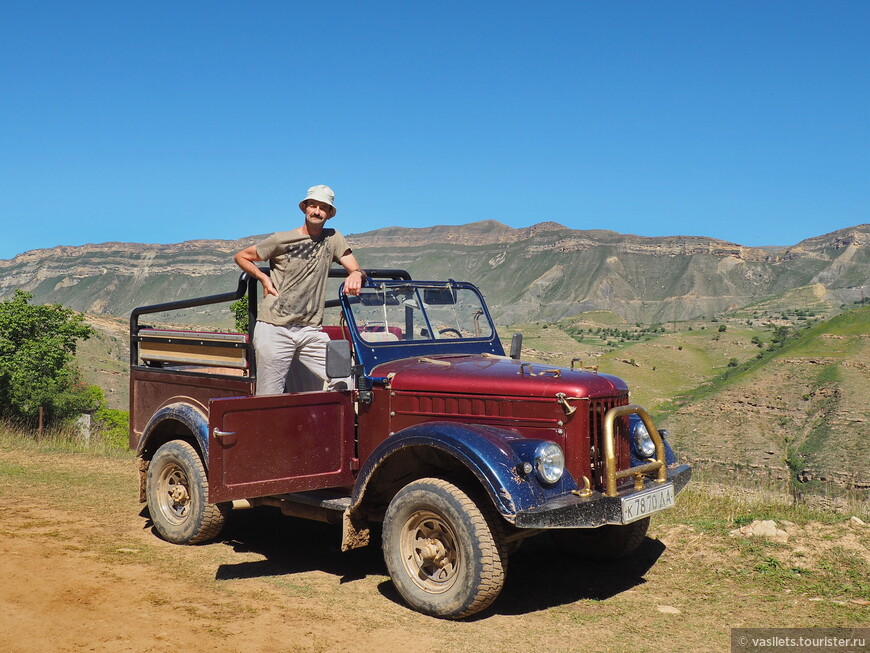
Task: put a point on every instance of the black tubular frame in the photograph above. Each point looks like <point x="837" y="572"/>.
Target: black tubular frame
<point x="247" y="286"/>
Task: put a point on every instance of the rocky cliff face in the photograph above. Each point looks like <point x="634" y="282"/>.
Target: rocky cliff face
<point x="113" y="278"/>
<point x="545" y="271"/>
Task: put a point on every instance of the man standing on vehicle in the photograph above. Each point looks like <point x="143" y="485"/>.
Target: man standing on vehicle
<point x="290" y="316"/>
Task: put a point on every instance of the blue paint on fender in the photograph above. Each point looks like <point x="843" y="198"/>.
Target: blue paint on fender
<point x="192" y="418"/>
<point x="495" y="456"/>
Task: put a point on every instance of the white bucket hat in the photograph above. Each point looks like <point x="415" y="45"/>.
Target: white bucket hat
<point x="320" y="193"/>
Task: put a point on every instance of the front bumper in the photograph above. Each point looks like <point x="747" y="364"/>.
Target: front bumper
<point x="573" y="511"/>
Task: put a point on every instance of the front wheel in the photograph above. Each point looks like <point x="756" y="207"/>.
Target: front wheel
<point x="445" y="553"/>
<point x="176" y="489"/>
<point x="603" y="543"/>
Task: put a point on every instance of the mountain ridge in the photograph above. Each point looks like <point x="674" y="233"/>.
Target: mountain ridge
<point x="545" y="270"/>
<point x="859" y="233"/>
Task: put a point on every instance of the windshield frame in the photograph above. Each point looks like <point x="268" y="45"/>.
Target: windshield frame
<point x="371" y="353"/>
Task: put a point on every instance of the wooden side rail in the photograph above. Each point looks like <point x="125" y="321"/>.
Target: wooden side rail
<point x="193" y="348"/>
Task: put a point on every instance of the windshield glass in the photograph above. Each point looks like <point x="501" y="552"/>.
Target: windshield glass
<point x="422" y="313"/>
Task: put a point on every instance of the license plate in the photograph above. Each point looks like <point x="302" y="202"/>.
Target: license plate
<point x="637" y="506"/>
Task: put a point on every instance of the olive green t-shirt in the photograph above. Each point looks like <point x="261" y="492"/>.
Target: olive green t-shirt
<point x="299" y="267"/>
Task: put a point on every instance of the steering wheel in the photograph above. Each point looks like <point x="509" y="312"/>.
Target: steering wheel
<point x="450" y="330"/>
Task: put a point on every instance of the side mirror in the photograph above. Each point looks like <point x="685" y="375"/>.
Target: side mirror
<point x="338" y="359"/>
<point x="516" y="346"/>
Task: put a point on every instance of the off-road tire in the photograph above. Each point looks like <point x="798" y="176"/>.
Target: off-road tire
<point x="176" y="488"/>
<point x="445" y="552"/>
<point x="603" y="543"/>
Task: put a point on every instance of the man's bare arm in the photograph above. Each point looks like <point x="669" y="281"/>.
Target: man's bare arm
<point x="355" y="274"/>
<point x="246" y="259"/>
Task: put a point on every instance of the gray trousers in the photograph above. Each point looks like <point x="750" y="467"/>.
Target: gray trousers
<point x="280" y="347"/>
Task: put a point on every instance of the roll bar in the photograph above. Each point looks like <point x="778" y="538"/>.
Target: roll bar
<point x="247" y="285"/>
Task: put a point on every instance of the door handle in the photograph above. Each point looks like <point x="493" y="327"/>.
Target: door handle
<point x="221" y="434"/>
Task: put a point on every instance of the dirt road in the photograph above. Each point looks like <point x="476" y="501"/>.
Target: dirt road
<point x="81" y="570"/>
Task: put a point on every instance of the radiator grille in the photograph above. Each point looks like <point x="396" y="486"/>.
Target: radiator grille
<point x="597" y="409"/>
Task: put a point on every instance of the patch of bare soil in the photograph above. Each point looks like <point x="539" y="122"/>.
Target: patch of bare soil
<point x="82" y="570"/>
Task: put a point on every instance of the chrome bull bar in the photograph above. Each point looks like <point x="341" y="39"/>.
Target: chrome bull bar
<point x="657" y="465"/>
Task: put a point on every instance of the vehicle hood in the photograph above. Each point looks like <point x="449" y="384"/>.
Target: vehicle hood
<point x="495" y="375"/>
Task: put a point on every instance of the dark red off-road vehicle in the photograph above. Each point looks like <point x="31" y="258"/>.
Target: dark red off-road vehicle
<point x="457" y="449"/>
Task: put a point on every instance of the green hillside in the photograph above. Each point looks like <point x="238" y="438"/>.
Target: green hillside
<point x="783" y="400"/>
<point x="800" y="409"/>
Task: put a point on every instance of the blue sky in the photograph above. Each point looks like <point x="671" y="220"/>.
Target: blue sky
<point x="167" y="121"/>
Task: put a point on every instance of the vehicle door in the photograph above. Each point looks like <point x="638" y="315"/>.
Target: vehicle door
<point x="261" y="446"/>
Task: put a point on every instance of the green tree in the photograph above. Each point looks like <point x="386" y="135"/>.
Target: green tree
<point x="240" y="313"/>
<point x="39" y="383"/>
<point x="780" y="334"/>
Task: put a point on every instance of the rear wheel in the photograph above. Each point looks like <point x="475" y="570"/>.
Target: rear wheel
<point x="176" y="489"/>
<point x="446" y="554"/>
<point x="603" y="543"/>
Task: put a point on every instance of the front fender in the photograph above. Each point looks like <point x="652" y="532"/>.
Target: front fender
<point x="192" y="418"/>
<point x="495" y="457"/>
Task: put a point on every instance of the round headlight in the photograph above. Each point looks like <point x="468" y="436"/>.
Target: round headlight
<point x="643" y="442"/>
<point x="549" y="462"/>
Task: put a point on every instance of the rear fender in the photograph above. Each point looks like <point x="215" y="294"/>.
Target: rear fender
<point x="192" y="418"/>
<point x="494" y="456"/>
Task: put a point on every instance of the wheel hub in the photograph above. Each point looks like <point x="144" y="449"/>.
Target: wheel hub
<point x="174" y="494"/>
<point x="430" y="551"/>
<point x="435" y="553"/>
<point x="179" y="494"/>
